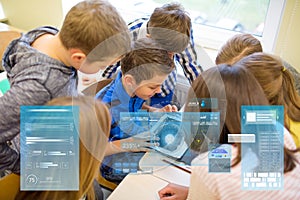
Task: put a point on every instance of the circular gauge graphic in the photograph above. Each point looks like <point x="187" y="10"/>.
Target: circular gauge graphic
<point x="31" y="179"/>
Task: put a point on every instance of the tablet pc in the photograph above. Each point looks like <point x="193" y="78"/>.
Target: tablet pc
<point x="171" y="132"/>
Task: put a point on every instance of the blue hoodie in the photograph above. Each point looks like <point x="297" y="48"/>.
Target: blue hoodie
<point x="35" y="78"/>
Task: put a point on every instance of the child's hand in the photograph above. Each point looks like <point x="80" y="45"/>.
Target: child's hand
<point x="87" y="80"/>
<point x="169" y="108"/>
<point x="173" y="192"/>
<point x="140" y="142"/>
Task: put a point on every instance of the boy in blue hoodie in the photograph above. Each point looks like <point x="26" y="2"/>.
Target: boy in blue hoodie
<point x="42" y="64"/>
<point x="143" y="71"/>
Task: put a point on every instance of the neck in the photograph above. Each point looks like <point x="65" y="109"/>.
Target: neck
<point x="59" y="52"/>
<point x="51" y="45"/>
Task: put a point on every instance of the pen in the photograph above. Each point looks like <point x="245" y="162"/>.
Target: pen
<point x="177" y="166"/>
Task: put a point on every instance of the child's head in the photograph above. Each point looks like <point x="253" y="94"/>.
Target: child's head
<point x="145" y="68"/>
<point x="237" y="47"/>
<point x="277" y="82"/>
<point x="95" y="29"/>
<point x="232" y="87"/>
<point x="94" y="129"/>
<point x="170" y="26"/>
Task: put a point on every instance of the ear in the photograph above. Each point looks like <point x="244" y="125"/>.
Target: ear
<point x="77" y="57"/>
<point x="129" y="81"/>
<point x="129" y="84"/>
<point x="148" y="35"/>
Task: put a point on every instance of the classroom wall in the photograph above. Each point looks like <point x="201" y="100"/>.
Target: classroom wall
<point x="26" y="14"/>
<point x="288" y="42"/>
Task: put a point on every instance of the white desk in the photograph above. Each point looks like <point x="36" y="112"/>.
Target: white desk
<point x="136" y="187"/>
<point x="146" y="186"/>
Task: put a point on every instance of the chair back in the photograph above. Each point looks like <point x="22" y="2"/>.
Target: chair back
<point x="10" y="186"/>
<point x="93" y="89"/>
<point x="5" y="38"/>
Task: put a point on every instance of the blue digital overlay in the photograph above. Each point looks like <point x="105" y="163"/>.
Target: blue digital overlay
<point x="49" y="148"/>
<point x="262" y="158"/>
<point x="176" y="132"/>
<point x="219" y="158"/>
<point x="204" y="103"/>
<point x="205" y="134"/>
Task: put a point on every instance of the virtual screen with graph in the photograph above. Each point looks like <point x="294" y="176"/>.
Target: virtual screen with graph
<point x="49" y="148"/>
<point x="174" y="129"/>
<point x="262" y="158"/>
<point x="219" y="158"/>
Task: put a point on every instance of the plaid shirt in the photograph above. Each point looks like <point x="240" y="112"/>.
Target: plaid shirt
<point x="186" y="59"/>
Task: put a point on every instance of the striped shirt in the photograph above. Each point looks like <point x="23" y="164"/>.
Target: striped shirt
<point x="211" y="186"/>
<point x="186" y="59"/>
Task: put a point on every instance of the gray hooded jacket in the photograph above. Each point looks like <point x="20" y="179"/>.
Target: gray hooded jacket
<point x="35" y="78"/>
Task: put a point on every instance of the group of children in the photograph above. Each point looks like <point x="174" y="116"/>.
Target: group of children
<point x="243" y="77"/>
<point x="42" y="68"/>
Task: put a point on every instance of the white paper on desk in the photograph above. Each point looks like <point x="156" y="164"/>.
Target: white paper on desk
<point x="145" y="186"/>
<point x="173" y="175"/>
<point x="152" y="160"/>
<point x="163" y="170"/>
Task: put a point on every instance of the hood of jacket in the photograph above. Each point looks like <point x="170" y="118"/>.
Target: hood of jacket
<point x="21" y="58"/>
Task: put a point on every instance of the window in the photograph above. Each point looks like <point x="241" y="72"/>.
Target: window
<point x="214" y="21"/>
<point x="217" y="20"/>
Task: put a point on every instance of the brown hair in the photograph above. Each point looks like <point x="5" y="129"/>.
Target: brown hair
<point x="237" y="47"/>
<point x="279" y="87"/>
<point x="146" y="60"/>
<point x="277" y="82"/>
<point x="170" y="26"/>
<point x="235" y="86"/>
<point x="94" y="123"/>
<point x="91" y="22"/>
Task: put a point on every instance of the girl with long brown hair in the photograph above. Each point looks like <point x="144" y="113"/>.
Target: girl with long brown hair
<point x="94" y="129"/>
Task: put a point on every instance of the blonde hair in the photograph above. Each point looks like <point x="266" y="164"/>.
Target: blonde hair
<point x="170" y="25"/>
<point x="279" y="88"/>
<point x="90" y="23"/>
<point x="237" y="47"/>
<point x="277" y="83"/>
<point x="94" y="123"/>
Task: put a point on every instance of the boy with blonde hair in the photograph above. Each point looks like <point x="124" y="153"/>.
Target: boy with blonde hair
<point x="42" y="64"/>
<point x="244" y="44"/>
